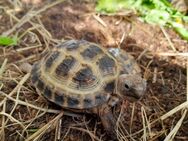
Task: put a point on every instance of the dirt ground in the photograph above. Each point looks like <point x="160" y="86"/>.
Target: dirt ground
<point x="25" y="115"/>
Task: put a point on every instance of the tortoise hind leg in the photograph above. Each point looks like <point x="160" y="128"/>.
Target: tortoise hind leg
<point x="107" y="119"/>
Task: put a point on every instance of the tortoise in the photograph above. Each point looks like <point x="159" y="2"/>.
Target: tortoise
<point x="82" y="76"/>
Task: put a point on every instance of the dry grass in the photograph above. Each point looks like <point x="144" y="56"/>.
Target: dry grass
<point x="20" y="112"/>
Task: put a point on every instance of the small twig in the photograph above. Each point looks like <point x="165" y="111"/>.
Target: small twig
<point x="170" y="113"/>
<point x="12" y="119"/>
<point x="176" y="109"/>
<point x="23" y="80"/>
<point x="26" y="59"/>
<point x="145" y="123"/>
<point x="147" y="70"/>
<point x="122" y="38"/>
<point x="2" y="69"/>
<point x="172" y="54"/>
<point x="99" y="20"/>
<point x="2" y="131"/>
<point x="15" y="105"/>
<point x="173" y="132"/>
<point x="30" y="121"/>
<point x="132" y="117"/>
<point x="86" y="131"/>
<point x="142" y="53"/>
<point x="162" y="79"/>
<point x="58" y="130"/>
<point x="155" y="75"/>
<point x="30" y="15"/>
<point x="121" y="129"/>
<point x="167" y="37"/>
<point x="27" y="48"/>
<point x="49" y="126"/>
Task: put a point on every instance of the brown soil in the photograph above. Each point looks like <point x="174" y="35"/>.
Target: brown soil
<point x="166" y="75"/>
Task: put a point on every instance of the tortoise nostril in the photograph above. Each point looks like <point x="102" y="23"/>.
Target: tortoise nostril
<point x="127" y="86"/>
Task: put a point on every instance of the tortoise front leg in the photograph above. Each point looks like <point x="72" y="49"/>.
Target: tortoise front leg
<point x="107" y="119"/>
<point x="26" y="67"/>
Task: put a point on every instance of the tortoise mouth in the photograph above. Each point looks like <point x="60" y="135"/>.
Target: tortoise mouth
<point x="133" y="94"/>
<point x="132" y="98"/>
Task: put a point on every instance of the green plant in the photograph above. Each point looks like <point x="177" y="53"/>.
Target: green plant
<point x="4" y="40"/>
<point x="151" y="11"/>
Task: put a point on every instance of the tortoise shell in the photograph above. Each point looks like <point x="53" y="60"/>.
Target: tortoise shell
<point x="79" y="74"/>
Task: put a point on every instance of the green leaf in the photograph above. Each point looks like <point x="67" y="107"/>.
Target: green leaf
<point x="179" y="28"/>
<point x="157" y="17"/>
<point x="152" y="11"/>
<point x="111" y="6"/>
<point x="108" y="6"/>
<point x="8" y="40"/>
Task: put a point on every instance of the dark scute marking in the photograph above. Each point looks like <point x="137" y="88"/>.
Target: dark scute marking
<point x="51" y="59"/>
<point x="84" y="76"/>
<point x="72" y="102"/>
<point x="129" y="65"/>
<point x="124" y="57"/>
<point x="40" y="85"/>
<point x="124" y="71"/>
<point x="64" y="67"/>
<point x="128" y="68"/>
<point x="48" y="93"/>
<point x="35" y="73"/>
<point x="109" y="87"/>
<point x="83" y="42"/>
<point x="70" y="45"/>
<point x="35" y="77"/>
<point x="59" y="99"/>
<point x="35" y="68"/>
<point x="91" y="51"/>
<point x="106" y="63"/>
<point x="87" y="102"/>
<point x="100" y="99"/>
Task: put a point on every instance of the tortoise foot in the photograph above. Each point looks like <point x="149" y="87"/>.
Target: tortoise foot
<point x="108" y="121"/>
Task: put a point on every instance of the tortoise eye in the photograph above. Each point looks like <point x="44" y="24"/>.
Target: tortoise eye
<point x="126" y="87"/>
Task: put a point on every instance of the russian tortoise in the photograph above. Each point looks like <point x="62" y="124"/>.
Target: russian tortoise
<point x="84" y="76"/>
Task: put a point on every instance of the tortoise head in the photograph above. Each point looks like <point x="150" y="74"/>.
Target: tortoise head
<point x="131" y="86"/>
